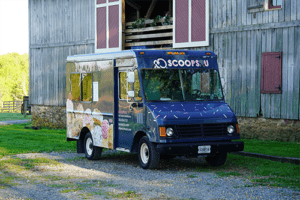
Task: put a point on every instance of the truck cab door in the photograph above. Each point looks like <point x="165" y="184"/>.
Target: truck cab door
<point x="129" y="111"/>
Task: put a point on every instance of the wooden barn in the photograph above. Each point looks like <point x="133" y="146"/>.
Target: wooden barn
<point x="257" y="43"/>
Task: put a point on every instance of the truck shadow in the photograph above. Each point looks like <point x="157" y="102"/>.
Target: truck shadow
<point x="131" y="160"/>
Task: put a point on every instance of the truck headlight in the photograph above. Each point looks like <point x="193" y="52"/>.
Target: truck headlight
<point x="230" y="129"/>
<point x="169" y="132"/>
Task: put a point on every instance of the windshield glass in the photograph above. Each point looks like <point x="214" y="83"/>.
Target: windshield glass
<point x="181" y="85"/>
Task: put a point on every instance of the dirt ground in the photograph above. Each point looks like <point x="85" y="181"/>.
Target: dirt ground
<point x="119" y="176"/>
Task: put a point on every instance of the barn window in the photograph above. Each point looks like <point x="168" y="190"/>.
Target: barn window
<point x="151" y="23"/>
<point x="108" y="20"/>
<point x="271" y="72"/>
<point x="191" y="23"/>
<point x="273" y="4"/>
<point x="81" y="86"/>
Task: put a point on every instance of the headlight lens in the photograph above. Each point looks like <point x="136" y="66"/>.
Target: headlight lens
<point x="230" y="129"/>
<point x="169" y="132"/>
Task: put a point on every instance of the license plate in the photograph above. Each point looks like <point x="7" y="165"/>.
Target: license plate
<point x="204" y="149"/>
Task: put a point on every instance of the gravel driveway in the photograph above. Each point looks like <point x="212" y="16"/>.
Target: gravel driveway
<point x="118" y="176"/>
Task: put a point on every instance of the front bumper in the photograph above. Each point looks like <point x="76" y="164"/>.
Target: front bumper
<point x="192" y="148"/>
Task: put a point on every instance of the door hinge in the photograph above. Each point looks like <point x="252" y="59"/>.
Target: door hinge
<point x="279" y="87"/>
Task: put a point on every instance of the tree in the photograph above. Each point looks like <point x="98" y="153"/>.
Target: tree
<point x="14" y="77"/>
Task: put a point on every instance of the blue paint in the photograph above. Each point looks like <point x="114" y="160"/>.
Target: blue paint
<point x="199" y="115"/>
<point x="191" y="112"/>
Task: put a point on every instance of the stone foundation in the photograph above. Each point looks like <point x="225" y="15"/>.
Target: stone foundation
<point x="269" y="129"/>
<point x="48" y="116"/>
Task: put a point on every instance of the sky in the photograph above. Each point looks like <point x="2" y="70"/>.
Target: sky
<point x="13" y="26"/>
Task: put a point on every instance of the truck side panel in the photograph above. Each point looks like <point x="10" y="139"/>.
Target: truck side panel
<point x="90" y="103"/>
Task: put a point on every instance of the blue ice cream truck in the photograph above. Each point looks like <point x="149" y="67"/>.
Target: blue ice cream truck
<point x="159" y="103"/>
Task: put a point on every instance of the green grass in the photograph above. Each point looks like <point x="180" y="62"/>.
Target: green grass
<point x="225" y="174"/>
<point x="24" y="163"/>
<point x="260" y="171"/>
<point x="274" y="148"/>
<point x="13" y="116"/>
<point x="9" y="167"/>
<point x="15" y="139"/>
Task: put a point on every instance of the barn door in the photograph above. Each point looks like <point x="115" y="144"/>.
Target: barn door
<point x="108" y="27"/>
<point x="191" y="23"/>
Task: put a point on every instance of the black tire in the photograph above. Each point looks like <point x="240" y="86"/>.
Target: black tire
<point x="148" y="155"/>
<point x="217" y="160"/>
<point x="91" y="152"/>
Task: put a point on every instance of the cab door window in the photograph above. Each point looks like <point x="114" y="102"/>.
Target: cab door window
<point x="123" y="84"/>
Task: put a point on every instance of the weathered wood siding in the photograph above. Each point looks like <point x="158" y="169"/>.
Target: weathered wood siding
<point x="239" y="38"/>
<point x="57" y="28"/>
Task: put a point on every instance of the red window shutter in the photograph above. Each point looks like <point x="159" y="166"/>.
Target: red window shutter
<point x="114" y="26"/>
<point x="191" y="23"/>
<point x="271" y="72"/>
<point x="198" y="20"/>
<point x="101" y="1"/>
<point x="182" y="21"/>
<point x="108" y="26"/>
<point x="101" y="28"/>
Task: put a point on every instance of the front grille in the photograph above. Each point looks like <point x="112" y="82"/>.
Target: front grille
<point x="201" y="130"/>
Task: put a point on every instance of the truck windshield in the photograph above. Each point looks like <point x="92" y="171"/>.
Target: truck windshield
<point x="181" y="84"/>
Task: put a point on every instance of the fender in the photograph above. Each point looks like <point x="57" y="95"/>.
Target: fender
<point x="137" y="136"/>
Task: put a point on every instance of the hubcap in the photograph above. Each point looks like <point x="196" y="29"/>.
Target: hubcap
<point x="89" y="146"/>
<point x="144" y="153"/>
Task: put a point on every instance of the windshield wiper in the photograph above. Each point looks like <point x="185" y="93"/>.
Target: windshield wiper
<point x="181" y="83"/>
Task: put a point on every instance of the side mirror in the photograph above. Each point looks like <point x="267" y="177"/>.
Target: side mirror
<point x="130" y="94"/>
<point x="130" y="77"/>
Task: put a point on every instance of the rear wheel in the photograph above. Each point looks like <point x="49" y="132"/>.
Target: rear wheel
<point x="91" y="152"/>
<point x="148" y="155"/>
<point x="217" y="160"/>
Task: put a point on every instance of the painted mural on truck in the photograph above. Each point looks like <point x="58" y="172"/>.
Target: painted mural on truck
<point x="82" y="101"/>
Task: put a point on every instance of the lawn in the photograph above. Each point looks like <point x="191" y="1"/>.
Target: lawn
<point x="259" y="171"/>
<point x="13" y="116"/>
<point x="274" y="148"/>
<point x="15" y="139"/>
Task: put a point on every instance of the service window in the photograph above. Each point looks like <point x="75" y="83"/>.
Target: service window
<point x="81" y="87"/>
<point x="87" y="87"/>
<point x="75" y="87"/>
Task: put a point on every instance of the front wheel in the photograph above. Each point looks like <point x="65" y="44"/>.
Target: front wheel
<point x="148" y="155"/>
<point x="217" y="160"/>
<point x="91" y="152"/>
